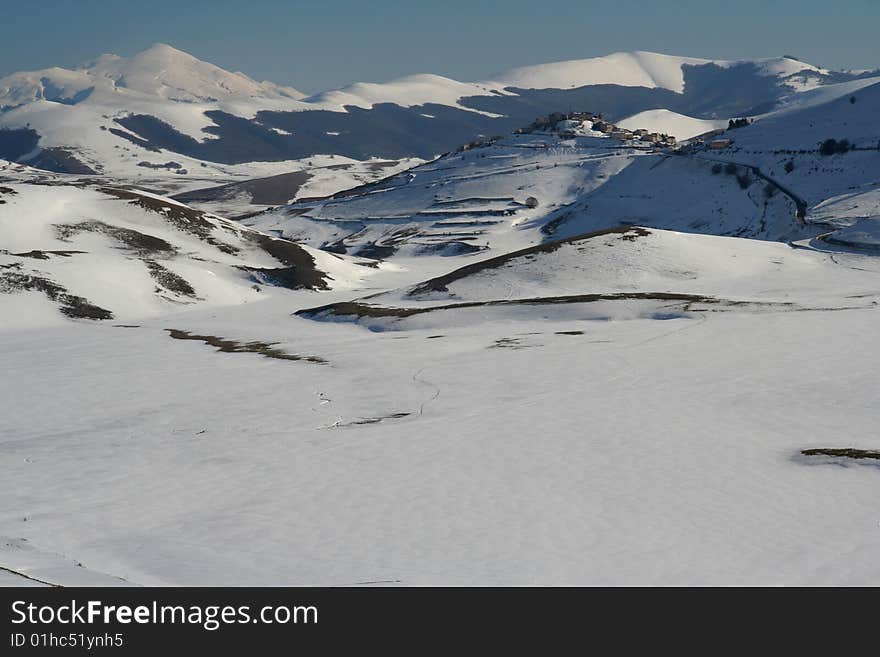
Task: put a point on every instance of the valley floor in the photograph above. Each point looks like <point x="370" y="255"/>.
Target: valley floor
<point x="532" y="451"/>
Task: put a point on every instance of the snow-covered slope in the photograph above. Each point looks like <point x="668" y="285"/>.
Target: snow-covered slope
<point x="826" y="154"/>
<point x="847" y="112"/>
<point x="534" y="449"/>
<point x="407" y="92"/>
<point x="671" y="123"/>
<point x="478" y="199"/>
<point x="315" y="177"/>
<point x="464" y="202"/>
<point x="621" y="273"/>
<point x="630" y="69"/>
<point x="637" y="69"/>
<point x="105" y="253"/>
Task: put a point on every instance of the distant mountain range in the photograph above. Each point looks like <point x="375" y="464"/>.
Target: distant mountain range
<point x="112" y="114"/>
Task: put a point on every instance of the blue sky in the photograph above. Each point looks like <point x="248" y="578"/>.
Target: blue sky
<point x="315" y="45"/>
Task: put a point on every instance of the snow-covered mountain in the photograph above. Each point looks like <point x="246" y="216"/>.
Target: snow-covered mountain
<point x="159" y="72"/>
<point x="647" y="69"/>
<point x="163" y="105"/>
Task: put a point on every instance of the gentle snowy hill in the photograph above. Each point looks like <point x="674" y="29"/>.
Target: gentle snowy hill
<point x="462" y="203"/>
<point x="678" y="125"/>
<point x="621" y="273"/>
<point x="628" y="69"/>
<point x="651" y="70"/>
<point x="409" y="91"/>
<point x="110" y="253"/>
<point x="478" y="199"/>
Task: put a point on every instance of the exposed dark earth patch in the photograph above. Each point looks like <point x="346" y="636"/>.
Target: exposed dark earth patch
<point x="369" y="420"/>
<point x="299" y="272"/>
<point x="234" y="347"/>
<point x="845" y="452"/>
<point x="292" y="278"/>
<point x="569" y="332"/>
<point x="181" y="217"/>
<point x="140" y="243"/>
<point x="42" y="255"/>
<point x="6" y="190"/>
<point x="168" y="280"/>
<point x="73" y="306"/>
<point x="360" y="309"/>
<point x="510" y="343"/>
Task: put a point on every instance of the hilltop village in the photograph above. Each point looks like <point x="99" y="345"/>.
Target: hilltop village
<point x="581" y="124"/>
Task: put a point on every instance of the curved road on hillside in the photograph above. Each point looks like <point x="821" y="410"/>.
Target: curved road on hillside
<point x="799" y="202"/>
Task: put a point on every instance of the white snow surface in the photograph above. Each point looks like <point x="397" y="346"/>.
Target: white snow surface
<point x="406" y="92"/>
<point x="637" y="452"/>
<point x="630" y="69"/>
<point x="633" y="69"/>
<point x="672" y="123"/>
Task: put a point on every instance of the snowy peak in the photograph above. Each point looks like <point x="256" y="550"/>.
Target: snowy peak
<point x="407" y="91"/>
<point x="53" y="84"/>
<point x="640" y="69"/>
<point x="630" y="69"/>
<point x="175" y="75"/>
<point x="160" y="72"/>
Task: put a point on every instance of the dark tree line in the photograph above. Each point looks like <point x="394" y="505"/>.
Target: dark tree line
<point x="835" y="146"/>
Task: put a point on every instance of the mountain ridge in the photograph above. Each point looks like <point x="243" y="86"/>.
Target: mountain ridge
<point x="162" y="104"/>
